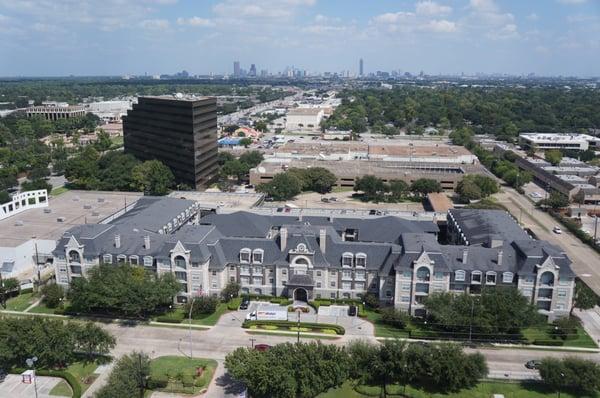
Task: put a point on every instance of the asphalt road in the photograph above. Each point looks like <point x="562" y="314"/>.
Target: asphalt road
<point x="586" y="261"/>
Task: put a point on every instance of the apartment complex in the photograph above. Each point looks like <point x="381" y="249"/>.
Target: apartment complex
<point x="310" y="257"/>
<point x="181" y="132"/>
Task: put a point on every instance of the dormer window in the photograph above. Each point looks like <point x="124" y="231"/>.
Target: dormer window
<point x="245" y="255"/>
<point x="107" y="259"/>
<point x="257" y="256"/>
<point x="147" y="261"/>
<point x="490" y="278"/>
<point x="361" y="260"/>
<point x="507" y="277"/>
<point x="476" y="277"/>
<point x="133" y="260"/>
<point x="459" y="276"/>
<point x="347" y="259"/>
<point x="121" y="259"/>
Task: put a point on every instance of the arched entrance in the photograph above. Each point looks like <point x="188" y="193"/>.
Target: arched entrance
<point x="300" y="294"/>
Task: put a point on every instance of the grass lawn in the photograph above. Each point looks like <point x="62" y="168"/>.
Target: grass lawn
<point x="206" y="320"/>
<point x="485" y="389"/>
<point x="62" y="389"/>
<point x="84" y="373"/>
<point x="58" y="191"/>
<point x="383" y="330"/>
<point x="583" y="340"/>
<point x="42" y="309"/>
<point x="174" y="367"/>
<point x="21" y="302"/>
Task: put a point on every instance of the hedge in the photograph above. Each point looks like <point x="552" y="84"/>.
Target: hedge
<point x="168" y="319"/>
<point x="288" y="324"/>
<point x="234" y="303"/>
<point x="158" y="382"/>
<point x="25" y="291"/>
<point x="68" y="377"/>
<point x="554" y="343"/>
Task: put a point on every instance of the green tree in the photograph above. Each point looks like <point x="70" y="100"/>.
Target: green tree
<point x="570" y="373"/>
<point x="585" y="298"/>
<point x="283" y="186"/>
<point x="373" y="188"/>
<point x="252" y="158"/>
<point x="52" y="294"/>
<point x="224" y="157"/>
<point x="246" y="142"/>
<point x="554" y="156"/>
<point x="82" y="169"/>
<point x="398" y="190"/>
<point x="234" y="168"/>
<point x="423" y="186"/>
<point x="103" y="141"/>
<point x="202" y="305"/>
<point x="153" y="178"/>
<point x="320" y="179"/>
<point x="556" y="201"/>
<point x="261" y="126"/>
<point x="4" y="197"/>
<point x="468" y="190"/>
<point x="128" y="379"/>
<point x="92" y="339"/>
<point x="232" y="289"/>
<point x="35" y="185"/>
<point x="7" y="285"/>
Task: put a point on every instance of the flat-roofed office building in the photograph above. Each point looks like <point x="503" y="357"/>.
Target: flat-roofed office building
<point x="180" y="132"/>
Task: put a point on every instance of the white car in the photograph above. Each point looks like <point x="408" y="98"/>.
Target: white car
<point x="557" y="230"/>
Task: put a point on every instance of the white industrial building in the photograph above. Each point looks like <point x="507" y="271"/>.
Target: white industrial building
<point x="304" y="119"/>
<point x="541" y="141"/>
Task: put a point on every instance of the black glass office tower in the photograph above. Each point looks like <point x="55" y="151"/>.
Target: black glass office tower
<point x="180" y="132"/>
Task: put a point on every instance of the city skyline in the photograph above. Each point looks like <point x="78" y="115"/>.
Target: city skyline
<point x="43" y="38"/>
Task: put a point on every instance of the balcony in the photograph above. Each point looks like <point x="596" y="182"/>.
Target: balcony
<point x="545" y="294"/>
<point x="422" y="288"/>
<point x="76" y="270"/>
<point x="360" y="278"/>
<point x="245" y="272"/>
<point x="346" y="277"/>
<point x="544" y="305"/>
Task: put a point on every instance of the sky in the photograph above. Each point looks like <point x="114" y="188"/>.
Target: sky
<point x="118" y="37"/>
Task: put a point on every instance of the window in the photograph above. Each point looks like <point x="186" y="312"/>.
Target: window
<point x="347" y="259"/>
<point x="346" y="285"/>
<point x="214" y="285"/>
<point x="147" y="261"/>
<point x="244" y="280"/>
<point x="271" y="280"/>
<point x="359" y="286"/>
<point x="405" y="299"/>
<point x="547" y="278"/>
<point x="490" y="278"/>
<point x="407" y="274"/>
<point x="107" y="259"/>
<point x="245" y="255"/>
<point x="406" y="287"/>
<point x="361" y="260"/>
<point x="284" y="271"/>
<point x="346" y="274"/>
<point x="319" y="285"/>
<point x="529" y="279"/>
<point x="232" y="279"/>
<point x="459" y="276"/>
<point x="180" y="262"/>
<point x="562" y="293"/>
<point x="388" y="293"/>
<point x="438" y="276"/>
<point x="257" y="256"/>
<point x="74" y="257"/>
<point x="332" y="295"/>
<point x="133" y="260"/>
<point x="318" y="273"/>
<point x="423" y="274"/>
<point x="359" y="275"/>
<point x="232" y="268"/>
<point x="332" y="284"/>
<point x="214" y="273"/>
<point x="564" y="282"/>
<point x="121" y="258"/>
<point x="527" y="292"/>
<point x="257" y="281"/>
<point x="476" y="277"/>
<point x="507" y="277"/>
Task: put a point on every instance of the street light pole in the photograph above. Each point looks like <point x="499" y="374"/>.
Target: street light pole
<point x="190" y="326"/>
<point x="31" y="363"/>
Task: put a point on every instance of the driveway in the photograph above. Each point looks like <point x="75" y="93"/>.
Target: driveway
<point x="14" y="388"/>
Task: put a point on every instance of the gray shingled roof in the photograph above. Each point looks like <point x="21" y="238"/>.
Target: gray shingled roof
<point x="481" y="226"/>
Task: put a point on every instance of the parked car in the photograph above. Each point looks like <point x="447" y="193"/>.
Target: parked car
<point x="533" y="364"/>
<point x="352" y="310"/>
<point x="324" y="200"/>
<point x="557" y="230"/>
<point x="279" y="209"/>
<point x="333" y="199"/>
<point x="245" y="303"/>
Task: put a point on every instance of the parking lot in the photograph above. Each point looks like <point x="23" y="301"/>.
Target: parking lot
<point x="13" y="387"/>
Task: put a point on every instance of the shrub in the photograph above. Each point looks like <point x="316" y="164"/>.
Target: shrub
<point x="25" y="291"/>
<point x="202" y="305"/>
<point x="371" y="300"/>
<point x="288" y="325"/>
<point x="230" y="291"/>
<point x="187" y="381"/>
<point x="234" y="304"/>
<point x="394" y="317"/>
<point x="565" y="328"/>
<point x="553" y="343"/>
<point x="53" y="294"/>
<point x="157" y="382"/>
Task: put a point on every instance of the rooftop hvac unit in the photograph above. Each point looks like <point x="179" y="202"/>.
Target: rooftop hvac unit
<point x="100" y="200"/>
<point x="18" y="223"/>
<point x="87" y="207"/>
<point x="47" y="211"/>
<point x="60" y="219"/>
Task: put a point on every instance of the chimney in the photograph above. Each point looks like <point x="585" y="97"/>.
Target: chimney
<point x="147" y="242"/>
<point x="283" y="238"/>
<point x="117" y="241"/>
<point x="322" y="239"/>
<point x="465" y="255"/>
<point x="500" y="255"/>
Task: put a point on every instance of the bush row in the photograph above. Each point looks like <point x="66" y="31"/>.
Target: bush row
<point x="287" y="324"/>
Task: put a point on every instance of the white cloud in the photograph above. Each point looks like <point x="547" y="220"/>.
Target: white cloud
<point x="393" y="17"/>
<point x="572" y="1"/>
<point x="533" y="16"/>
<point x="508" y="31"/>
<point x="484" y="5"/>
<point x="432" y="8"/>
<point x="260" y="9"/>
<point x="155" y="24"/>
<point x="195" y="21"/>
<point x="439" y="26"/>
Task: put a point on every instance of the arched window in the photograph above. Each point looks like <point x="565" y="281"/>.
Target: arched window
<point x="361" y="260"/>
<point x="507" y="277"/>
<point x="347" y="259"/>
<point x="300" y="261"/>
<point x="547" y="278"/>
<point x="301" y="248"/>
<point x="180" y="262"/>
<point x="74" y="256"/>
<point x="257" y="256"/>
<point x="423" y="274"/>
<point x="107" y="259"/>
<point x="459" y="276"/>
<point x="245" y="255"/>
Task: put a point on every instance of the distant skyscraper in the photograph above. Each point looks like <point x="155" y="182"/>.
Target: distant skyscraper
<point x="236" y="68"/>
<point x="252" y="70"/>
<point x="361" y="67"/>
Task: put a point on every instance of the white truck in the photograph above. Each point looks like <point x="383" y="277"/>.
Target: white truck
<point x="268" y="315"/>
